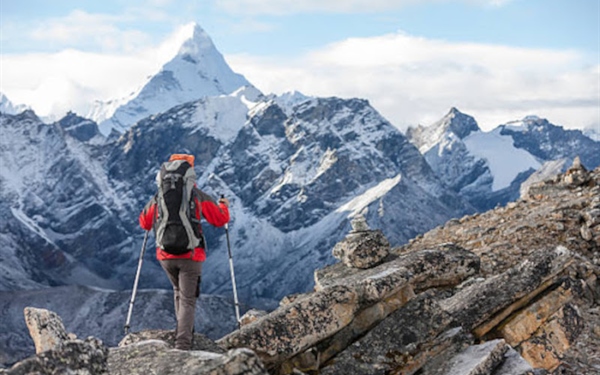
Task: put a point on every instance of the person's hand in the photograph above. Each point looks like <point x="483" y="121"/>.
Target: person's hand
<point x="224" y="201"/>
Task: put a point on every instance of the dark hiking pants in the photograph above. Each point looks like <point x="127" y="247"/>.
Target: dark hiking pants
<point x="184" y="275"/>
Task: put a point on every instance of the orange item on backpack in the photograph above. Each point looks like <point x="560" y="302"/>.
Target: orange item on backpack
<point x="186" y="157"/>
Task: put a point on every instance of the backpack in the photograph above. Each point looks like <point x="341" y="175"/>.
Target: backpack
<point x="177" y="229"/>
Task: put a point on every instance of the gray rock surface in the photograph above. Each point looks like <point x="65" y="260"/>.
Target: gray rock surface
<point x="156" y="357"/>
<point x="295" y="327"/>
<point x="200" y="342"/>
<point x="78" y="357"/>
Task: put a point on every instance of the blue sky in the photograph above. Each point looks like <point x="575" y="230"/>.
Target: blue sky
<point x="498" y="60"/>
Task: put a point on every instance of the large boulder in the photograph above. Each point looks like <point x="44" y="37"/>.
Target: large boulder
<point x="297" y="326"/>
<point x="45" y="327"/>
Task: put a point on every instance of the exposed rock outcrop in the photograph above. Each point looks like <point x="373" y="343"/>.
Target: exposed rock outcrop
<point x="46" y="329"/>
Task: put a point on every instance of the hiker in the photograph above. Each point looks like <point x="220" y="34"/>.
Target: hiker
<point x="179" y="240"/>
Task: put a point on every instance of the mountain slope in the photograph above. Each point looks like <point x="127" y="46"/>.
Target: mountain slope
<point x="198" y="70"/>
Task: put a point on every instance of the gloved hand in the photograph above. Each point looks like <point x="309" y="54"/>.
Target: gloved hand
<point x="225" y="201"/>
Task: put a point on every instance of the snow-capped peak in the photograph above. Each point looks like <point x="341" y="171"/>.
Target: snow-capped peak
<point x="458" y="123"/>
<point x="197" y="41"/>
<point x="198" y="70"/>
<point x="6" y="106"/>
<point x="527" y="123"/>
<point x="289" y="100"/>
<point x="454" y="124"/>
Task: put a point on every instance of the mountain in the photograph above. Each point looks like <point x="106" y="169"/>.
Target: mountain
<point x="296" y="170"/>
<point x="547" y="141"/>
<point x="487" y="168"/>
<point x="511" y="291"/>
<point x="198" y="70"/>
<point x="6" y="106"/>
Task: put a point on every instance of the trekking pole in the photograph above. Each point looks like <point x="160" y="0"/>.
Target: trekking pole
<point x="135" y="283"/>
<point x="235" y="297"/>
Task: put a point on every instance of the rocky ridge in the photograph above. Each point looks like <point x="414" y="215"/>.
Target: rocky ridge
<point x="511" y="291"/>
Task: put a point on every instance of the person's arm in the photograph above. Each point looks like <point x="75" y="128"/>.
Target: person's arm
<point x="215" y="213"/>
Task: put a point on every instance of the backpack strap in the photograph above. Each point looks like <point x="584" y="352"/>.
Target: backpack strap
<point x="196" y="196"/>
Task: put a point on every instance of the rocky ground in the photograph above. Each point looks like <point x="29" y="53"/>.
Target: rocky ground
<point x="513" y="291"/>
<point x="562" y="211"/>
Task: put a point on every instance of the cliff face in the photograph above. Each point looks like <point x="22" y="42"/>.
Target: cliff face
<point x="511" y="291"/>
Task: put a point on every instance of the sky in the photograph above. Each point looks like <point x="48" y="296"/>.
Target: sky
<point x="497" y="60"/>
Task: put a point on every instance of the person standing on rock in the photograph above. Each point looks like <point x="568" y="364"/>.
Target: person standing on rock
<point x="174" y="213"/>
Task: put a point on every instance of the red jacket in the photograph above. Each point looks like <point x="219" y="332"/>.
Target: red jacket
<point x="215" y="214"/>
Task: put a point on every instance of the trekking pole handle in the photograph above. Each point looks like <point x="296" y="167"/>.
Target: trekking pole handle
<point x="226" y="225"/>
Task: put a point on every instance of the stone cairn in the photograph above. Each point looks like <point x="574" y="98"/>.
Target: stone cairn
<point x="362" y="247"/>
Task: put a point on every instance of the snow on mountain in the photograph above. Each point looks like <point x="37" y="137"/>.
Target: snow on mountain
<point x="455" y="124"/>
<point x="198" y="70"/>
<point x="487" y="168"/>
<point x="443" y="146"/>
<point x="547" y="141"/>
<point x="6" y="106"/>
<point x="504" y="160"/>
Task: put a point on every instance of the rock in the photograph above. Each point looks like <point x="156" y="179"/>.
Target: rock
<point x="522" y="325"/>
<point x="484" y="305"/>
<point x="478" y="359"/>
<point x="363" y="321"/>
<point x="592" y="217"/>
<point x="423" y="270"/>
<point x="546" y="348"/>
<point x="513" y="364"/>
<point x="79" y="357"/>
<point x="586" y="233"/>
<point x="362" y="249"/>
<point x="576" y="175"/>
<point x="251" y="316"/>
<point x="406" y="339"/>
<point x="294" y="328"/>
<point x="156" y="357"/>
<point x="200" y="341"/>
<point x="46" y="328"/>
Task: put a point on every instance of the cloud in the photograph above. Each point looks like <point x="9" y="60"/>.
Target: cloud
<point x="80" y="29"/>
<point x="413" y="80"/>
<point x="54" y="83"/>
<point x="334" y="6"/>
<point x="410" y="80"/>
